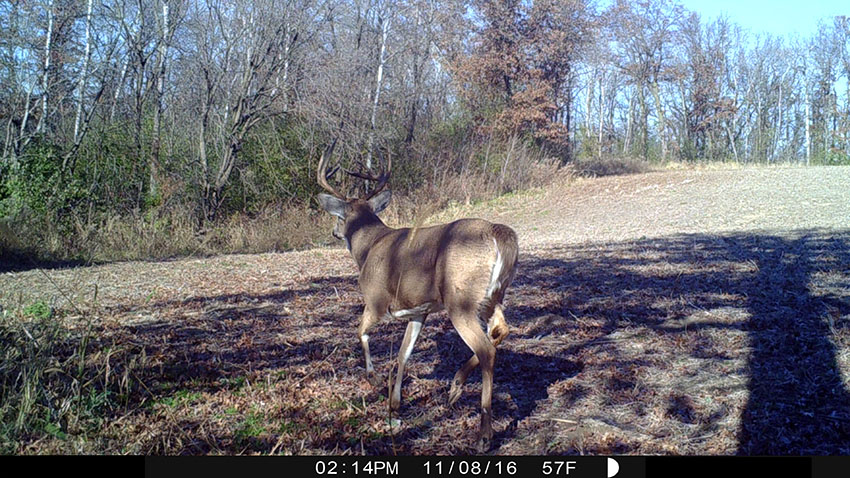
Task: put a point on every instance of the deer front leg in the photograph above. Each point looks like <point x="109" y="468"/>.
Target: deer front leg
<point x="410" y="336"/>
<point x="367" y="320"/>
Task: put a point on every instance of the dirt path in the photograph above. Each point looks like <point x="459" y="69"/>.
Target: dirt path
<point x="695" y="312"/>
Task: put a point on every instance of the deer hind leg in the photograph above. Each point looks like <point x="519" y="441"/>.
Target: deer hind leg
<point x="485" y="355"/>
<point x="410" y="336"/>
<point x="367" y="321"/>
<point x="497" y="328"/>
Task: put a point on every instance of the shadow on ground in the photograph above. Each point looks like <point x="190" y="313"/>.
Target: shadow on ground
<point x="790" y="295"/>
<point x="615" y="348"/>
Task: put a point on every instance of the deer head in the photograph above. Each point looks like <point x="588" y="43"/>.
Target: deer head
<point x="352" y="212"/>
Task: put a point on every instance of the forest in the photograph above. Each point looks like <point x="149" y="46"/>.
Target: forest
<point x="155" y="128"/>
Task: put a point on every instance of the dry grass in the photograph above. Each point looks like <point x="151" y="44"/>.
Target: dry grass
<point x="173" y="231"/>
<point x="611" y="166"/>
<point x="433" y="200"/>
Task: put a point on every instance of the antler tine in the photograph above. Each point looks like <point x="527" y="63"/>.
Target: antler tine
<point x="380" y="179"/>
<point x="384" y="177"/>
<point x="322" y="174"/>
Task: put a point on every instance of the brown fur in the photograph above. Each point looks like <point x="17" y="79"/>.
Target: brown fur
<point x="412" y="272"/>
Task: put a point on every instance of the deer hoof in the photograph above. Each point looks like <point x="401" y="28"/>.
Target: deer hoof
<point x="485" y="433"/>
<point x="484" y="444"/>
<point x="454" y="393"/>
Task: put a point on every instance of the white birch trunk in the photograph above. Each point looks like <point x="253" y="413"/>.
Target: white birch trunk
<point x="629" y="123"/>
<point x="588" y="128"/>
<point x="45" y="81"/>
<point x="379" y="79"/>
<point x="285" y="78"/>
<point x="160" y="87"/>
<point x="24" y="121"/>
<point x="808" y="126"/>
<point x="118" y="88"/>
<point x="601" y="111"/>
<point x="731" y="140"/>
<point x="776" y="143"/>
<point x="84" y="76"/>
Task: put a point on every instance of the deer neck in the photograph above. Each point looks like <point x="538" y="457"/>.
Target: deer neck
<point x="362" y="235"/>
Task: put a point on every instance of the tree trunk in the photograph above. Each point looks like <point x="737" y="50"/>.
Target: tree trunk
<point x="601" y="112"/>
<point x="45" y="79"/>
<point x="662" y="123"/>
<point x="84" y="76"/>
<point x="379" y="82"/>
<point x="629" y="115"/>
<point x="118" y="87"/>
<point x="156" y="147"/>
<point x="644" y="113"/>
<point x="808" y="126"/>
<point x="588" y="106"/>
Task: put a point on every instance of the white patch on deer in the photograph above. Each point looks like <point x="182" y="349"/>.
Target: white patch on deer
<point x="494" y="273"/>
<point x="364" y="339"/>
<point x="417" y="311"/>
<point x="417" y="326"/>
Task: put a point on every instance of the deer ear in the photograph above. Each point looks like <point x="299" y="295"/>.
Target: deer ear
<point x="380" y="202"/>
<point x="333" y="205"/>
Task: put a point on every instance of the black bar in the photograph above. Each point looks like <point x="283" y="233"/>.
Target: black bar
<point x="425" y="466"/>
<point x="90" y="466"/>
<point x="729" y="466"/>
<point x="830" y="466"/>
<point x="406" y="466"/>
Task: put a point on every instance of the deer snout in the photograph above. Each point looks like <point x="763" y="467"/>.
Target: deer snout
<point x="337" y="232"/>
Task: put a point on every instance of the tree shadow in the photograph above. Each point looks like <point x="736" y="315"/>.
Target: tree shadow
<point x="789" y="294"/>
<point x="22" y="261"/>
<point x="521" y="379"/>
<point x="798" y="401"/>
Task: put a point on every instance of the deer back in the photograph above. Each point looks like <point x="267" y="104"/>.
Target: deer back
<point x="467" y="263"/>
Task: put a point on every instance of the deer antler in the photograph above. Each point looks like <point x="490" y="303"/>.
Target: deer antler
<point x="322" y="173"/>
<point x="381" y="179"/>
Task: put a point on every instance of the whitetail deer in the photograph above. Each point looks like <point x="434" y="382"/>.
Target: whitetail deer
<point x="464" y="266"/>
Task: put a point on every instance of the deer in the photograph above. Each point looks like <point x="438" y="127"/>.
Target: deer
<point x="463" y="267"/>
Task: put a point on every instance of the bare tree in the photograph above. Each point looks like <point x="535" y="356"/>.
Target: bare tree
<point x="645" y="32"/>
<point x="166" y="20"/>
<point x="84" y="75"/>
<point x="243" y="53"/>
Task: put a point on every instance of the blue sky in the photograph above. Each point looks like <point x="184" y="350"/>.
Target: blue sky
<point x="779" y="17"/>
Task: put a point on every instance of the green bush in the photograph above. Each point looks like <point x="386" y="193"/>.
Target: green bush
<point x="38" y="310"/>
<point x="30" y="182"/>
<point x="833" y="157"/>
